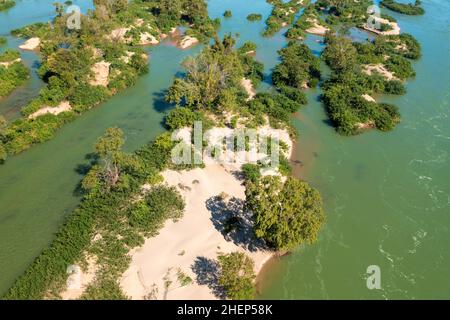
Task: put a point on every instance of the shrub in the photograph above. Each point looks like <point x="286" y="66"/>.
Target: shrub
<point x="286" y="214"/>
<point x="254" y="17"/>
<point x="237" y="275"/>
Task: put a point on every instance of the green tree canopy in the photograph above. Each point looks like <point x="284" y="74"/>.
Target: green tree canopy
<point x="237" y="275"/>
<point x="286" y="214"/>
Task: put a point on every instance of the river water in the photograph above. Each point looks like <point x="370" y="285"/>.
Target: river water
<point x="387" y="195"/>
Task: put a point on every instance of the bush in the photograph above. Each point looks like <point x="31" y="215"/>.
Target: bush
<point x="160" y="204"/>
<point x="404" y="8"/>
<point x="237" y="275"/>
<point x="227" y="14"/>
<point x="180" y="117"/>
<point x="6" y="4"/>
<point x="251" y="172"/>
<point x="286" y="214"/>
<point x="254" y="17"/>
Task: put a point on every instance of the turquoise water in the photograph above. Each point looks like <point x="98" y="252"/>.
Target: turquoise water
<point x="386" y="195"/>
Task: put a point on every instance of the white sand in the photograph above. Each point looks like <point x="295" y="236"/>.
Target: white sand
<point x="187" y="42"/>
<point x="147" y="38"/>
<point x="368" y="98"/>
<point x="180" y="244"/>
<point x="248" y="86"/>
<point x="378" y="68"/>
<point x="62" y="107"/>
<point x="100" y="72"/>
<point x="31" y="44"/>
<point x="6" y="64"/>
<point x="316" y="28"/>
<point x="394" y="31"/>
<point x="367" y="125"/>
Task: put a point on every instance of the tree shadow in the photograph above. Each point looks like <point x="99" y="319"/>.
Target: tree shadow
<point x="82" y="169"/>
<point x="235" y="223"/>
<point x="159" y="103"/>
<point x="207" y="273"/>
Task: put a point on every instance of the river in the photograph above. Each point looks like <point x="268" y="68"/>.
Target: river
<point x="386" y="195"/>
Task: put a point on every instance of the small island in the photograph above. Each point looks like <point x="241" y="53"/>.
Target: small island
<point x="6" y="4"/>
<point x="408" y="9"/>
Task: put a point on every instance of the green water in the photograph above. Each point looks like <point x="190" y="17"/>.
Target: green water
<point x="386" y="195"/>
<point x="38" y="187"/>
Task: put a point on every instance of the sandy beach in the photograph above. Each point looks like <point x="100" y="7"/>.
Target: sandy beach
<point x="191" y="244"/>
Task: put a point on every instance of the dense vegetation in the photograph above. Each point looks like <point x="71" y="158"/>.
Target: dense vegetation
<point x="6" y="4"/>
<point x="107" y="224"/>
<point x="285" y="214"/>
<point x="192" y="14"/>
<point x="311" y="14"/>
<point x="3" y="40"/>
<point x="283" y="14"/>
<point x="13" y="72"/>
<point x="69" y="55"/>
<point x="298" y="69"/>
<point x="344" y="94"/>
<point x="254" y="17"/>
<point x="409" y="9"/>
<point x="236" y="275"/>
<point x="346" y="12"/>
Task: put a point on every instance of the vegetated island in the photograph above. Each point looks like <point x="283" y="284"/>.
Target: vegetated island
<point x="404" y="8"/>
<point x="82" y="68"/>
<point x="282" y="15"/>
<point x="13" y="72"/>
<point x="254" y="17"/>
<point x="360" y="70"/>
<point x="6" y="4"/>
<point x="223" y="229"/>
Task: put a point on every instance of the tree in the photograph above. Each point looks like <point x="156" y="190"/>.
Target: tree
<point x="285" y="214"/>
<point x="340" y="54"/>
<point x="298" y="67"/>
<point x="237" y="275"/>
<point x="109" y="148"/>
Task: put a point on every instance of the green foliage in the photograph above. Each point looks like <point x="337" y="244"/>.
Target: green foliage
<point x="171" y="13"/>
<point x="12" y="73"/>
<point x="340" y="54"/>
<point x="106" y="212"/>
<point x="181" y="117"/>
<point x="298" y="68"/>
<point x="251" y="172"/>
<point x="38" y="29"/>
<point x="283" y="13"/>
<point x="212" y="78"/>
<point x="342" y="93"/>
<point x="254" y="17"/>
<point x="237" y="275"/>
<point x="227" y="14"/>
<point x="409" y="9"/>
<point x="3" y="41"/>
<point x="160" y="204"/>
<point x="6" y="4"/>
<point x="286" y="214"/>
<point x="347" y="12"/>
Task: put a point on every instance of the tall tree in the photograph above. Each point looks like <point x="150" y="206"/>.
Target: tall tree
<point x="285" y="214"/>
